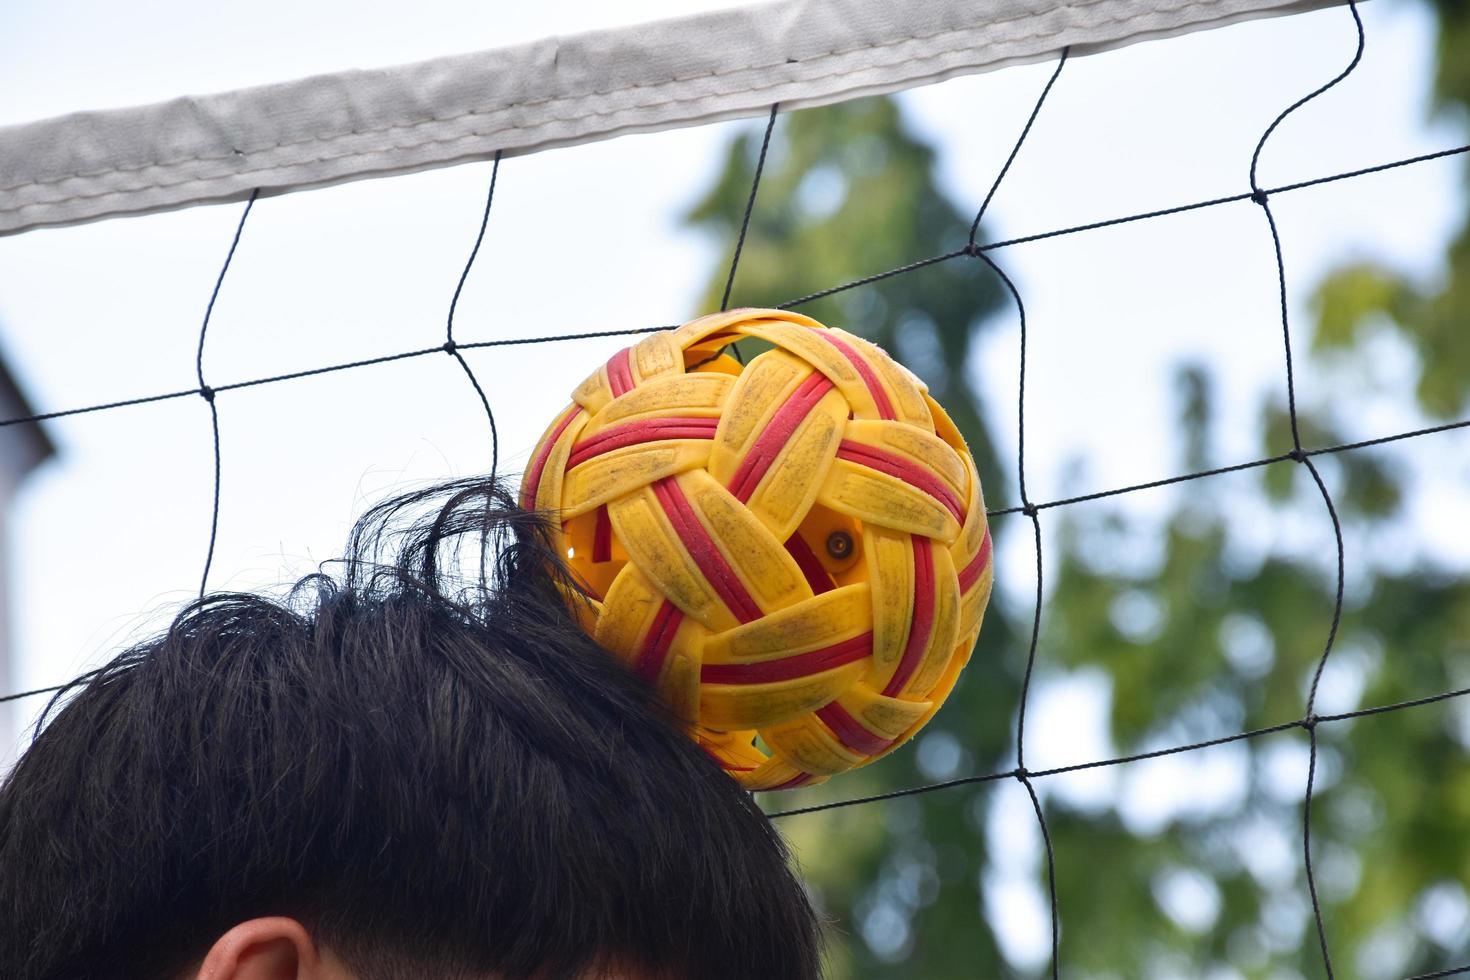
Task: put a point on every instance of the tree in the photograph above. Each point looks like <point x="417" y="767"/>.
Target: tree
<point x="1200" y="643"/>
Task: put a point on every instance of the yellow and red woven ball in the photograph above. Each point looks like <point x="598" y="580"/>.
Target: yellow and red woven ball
<point x="794" y="552"/>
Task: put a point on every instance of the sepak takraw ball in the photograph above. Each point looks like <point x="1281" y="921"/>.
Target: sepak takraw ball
<point x="793" y="552"/>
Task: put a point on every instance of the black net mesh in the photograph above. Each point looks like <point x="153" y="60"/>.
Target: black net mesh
<point x="1302" y="454"/>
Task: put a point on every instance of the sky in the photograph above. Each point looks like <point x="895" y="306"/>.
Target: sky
<point x="109" y="538"/>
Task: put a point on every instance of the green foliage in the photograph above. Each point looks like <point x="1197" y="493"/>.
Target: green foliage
<point x="1452" y="81"/>
<point x="1211" y="636"/>
<point x="1352" y="296"/>
<point x="1435" y="317"/>
<point x="1431" y="318"/>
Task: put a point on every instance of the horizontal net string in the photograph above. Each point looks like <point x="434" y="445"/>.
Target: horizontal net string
<point x="1109" y="222"/>
<point x="1305" y="724"/>
<point x="634" y="331"/>
<point x="445" y="348"/>
<point x="1453" y="971"/>
<point x="1233" y="468"/>
<point x="1001" y="511"/>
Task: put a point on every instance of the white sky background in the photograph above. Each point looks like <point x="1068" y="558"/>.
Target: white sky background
<point x="110" y="537"/>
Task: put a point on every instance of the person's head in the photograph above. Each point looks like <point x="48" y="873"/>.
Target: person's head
<point x="398" y="774"/>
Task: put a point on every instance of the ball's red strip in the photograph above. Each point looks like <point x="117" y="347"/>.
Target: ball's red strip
<point x="850" y="732"/>
<point x="711" y="562"/>
<point x="620" y="372"/>
<point x="533" y="479"/>
<point x="923" y="622"/>
<point x="906" y="470"/>
<point x="798" y="780"/>
<point x="972" y="572"/>
<point x="811" y="566"/>
<point x="787" y="668"/>
<point x="864" y="369"/>
<point x="602" y="536"/>
<point x="641" y="431"/>
<point x="768" y="444"/>
<point x="650" y="661"/>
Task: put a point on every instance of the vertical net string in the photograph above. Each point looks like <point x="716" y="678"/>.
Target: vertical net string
<point x="1034" y="515"/>
<point x="1025" y="131"/>
<point x="450" y="347"/>
<point x="755" y="184"/>
<point x="1031" y="511"/>
<point x="207" y="393"/>
<point x="1309" y="720"/>
<point x="760" y="166"/>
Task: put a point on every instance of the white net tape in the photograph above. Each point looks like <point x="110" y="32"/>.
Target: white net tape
<point x="555" y="92"/>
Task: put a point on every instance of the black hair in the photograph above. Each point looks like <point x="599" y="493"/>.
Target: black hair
<point x="442" y="776"/>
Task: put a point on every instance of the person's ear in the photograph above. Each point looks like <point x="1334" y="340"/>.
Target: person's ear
<point x="272" y="948"/>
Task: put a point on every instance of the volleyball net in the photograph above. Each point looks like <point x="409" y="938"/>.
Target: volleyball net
<point x="769" y="60"/>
